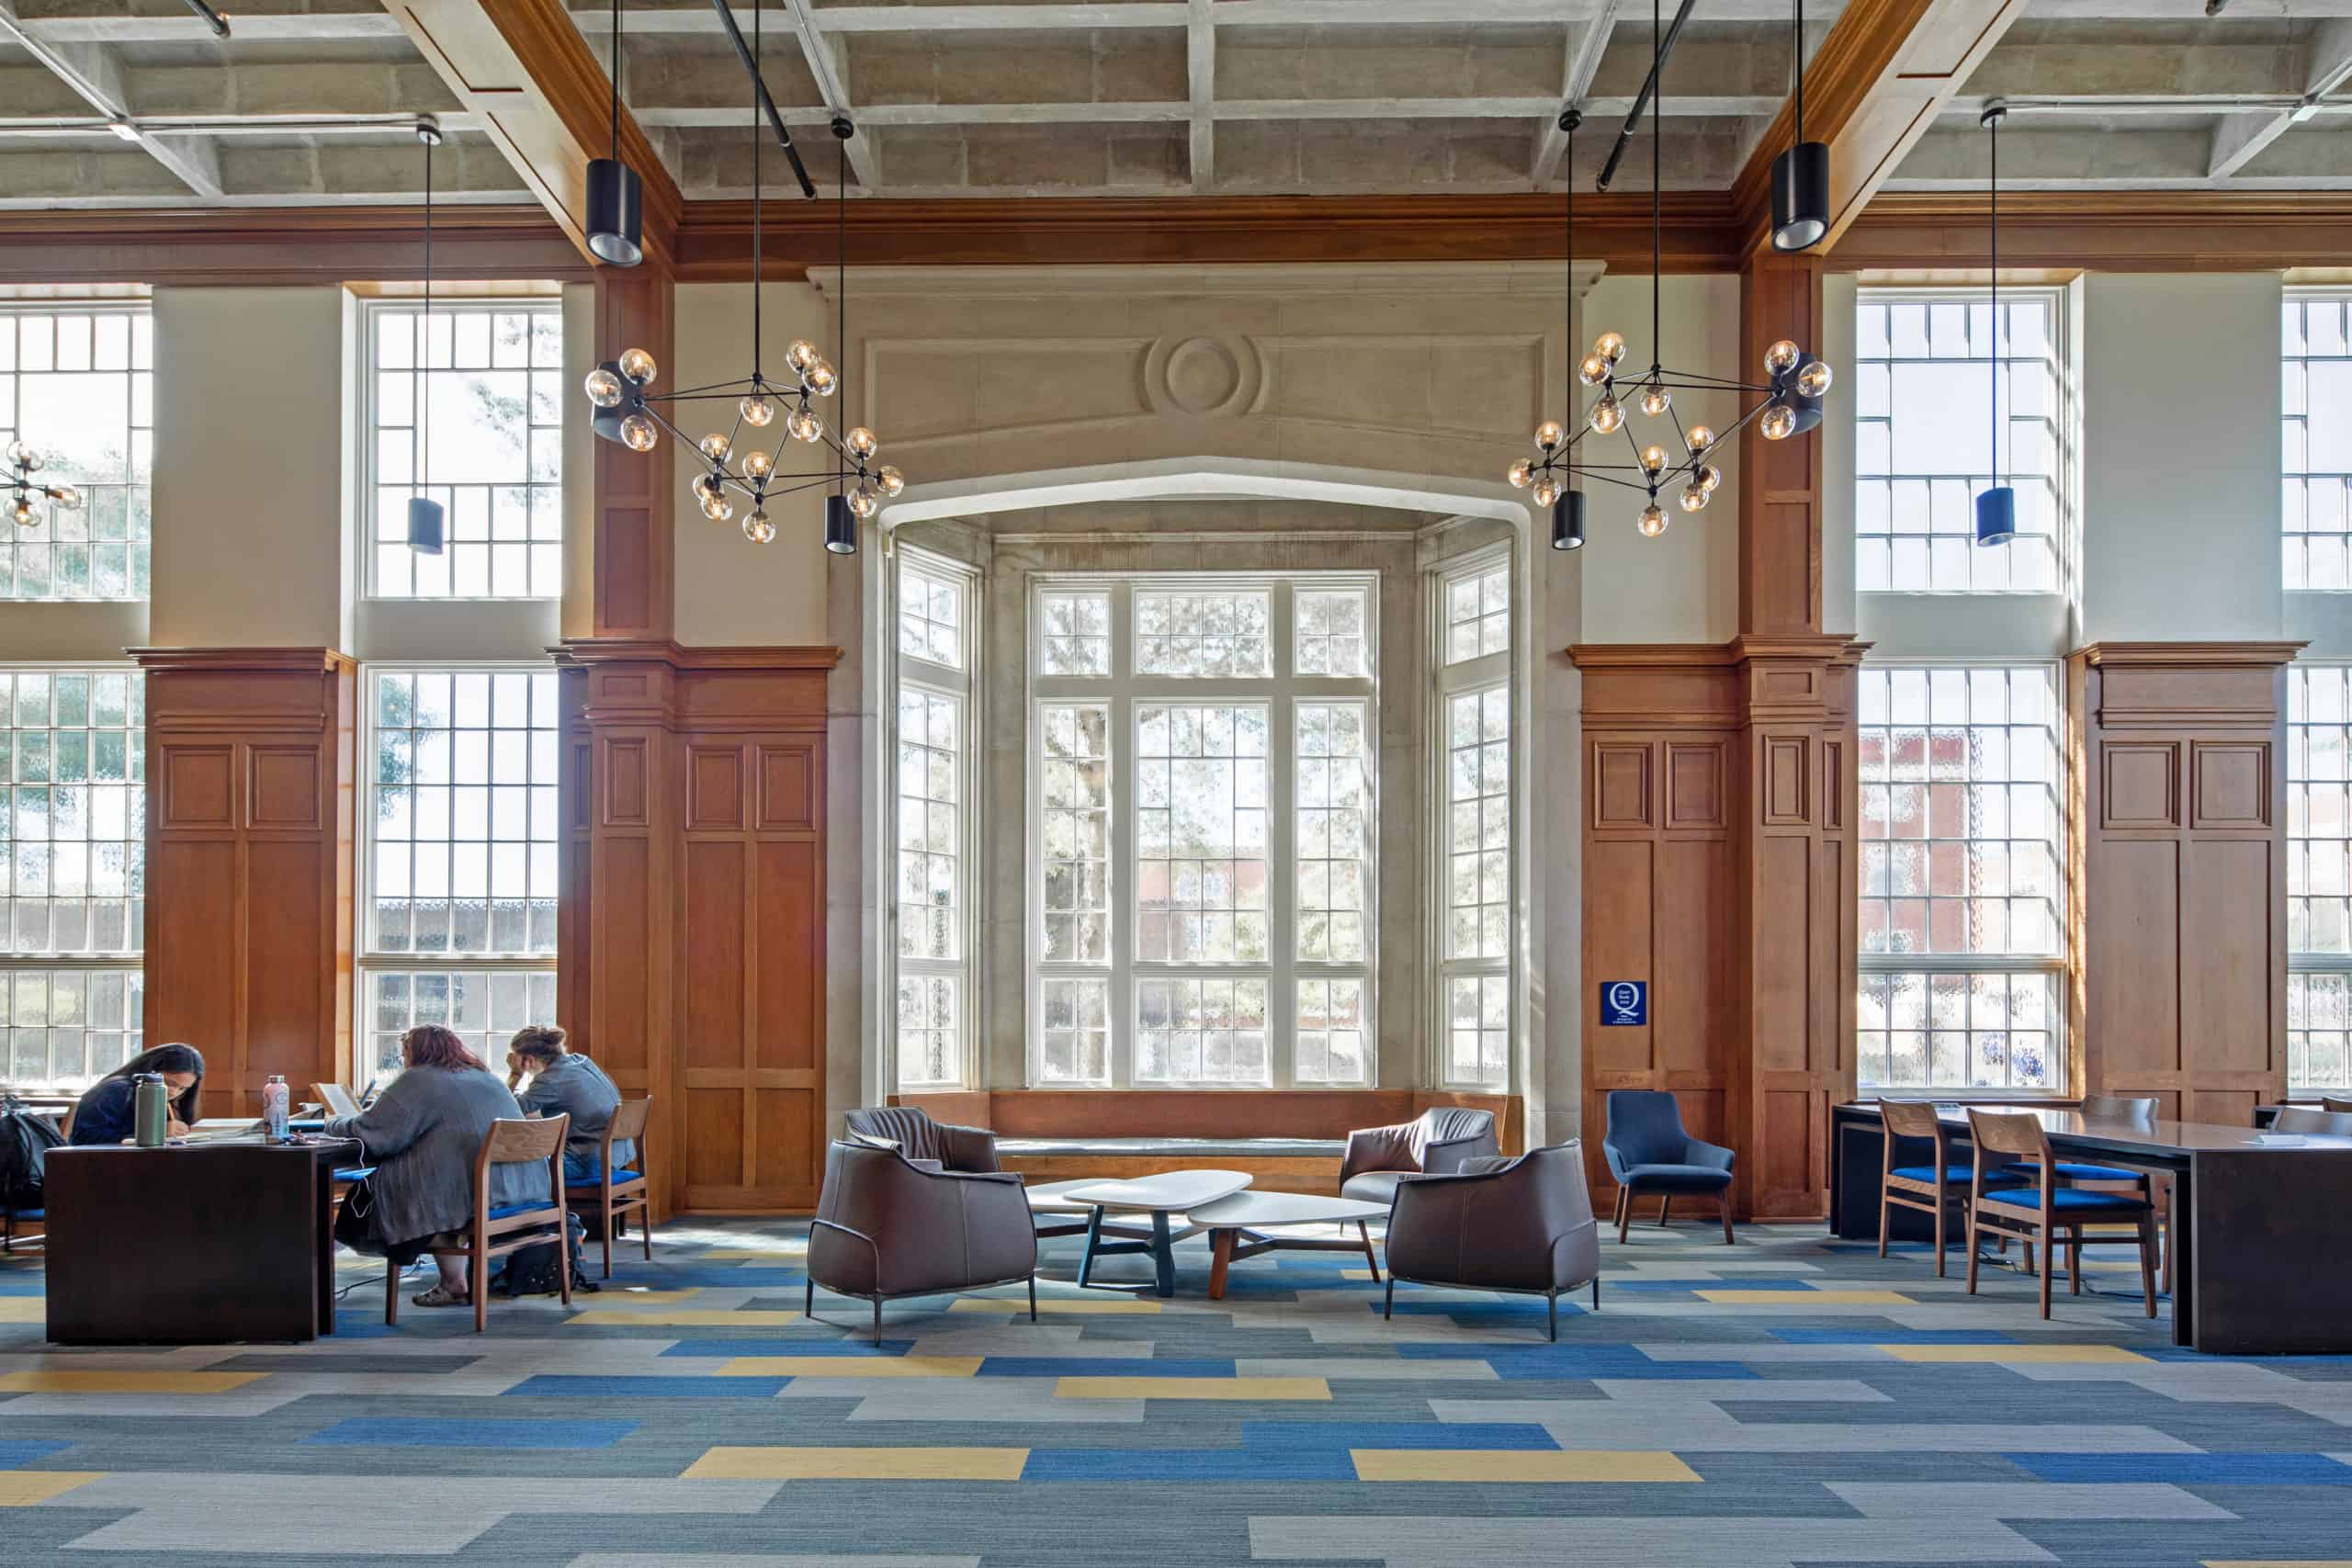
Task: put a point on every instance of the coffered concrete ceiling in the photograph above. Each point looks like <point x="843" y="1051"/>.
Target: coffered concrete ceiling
<point x="135" y="102"/>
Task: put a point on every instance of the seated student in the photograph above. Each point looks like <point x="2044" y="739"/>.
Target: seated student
<point x="422" y="1135"/>
<point x="548" y="1080"/>
<point x="106" y="1113"/>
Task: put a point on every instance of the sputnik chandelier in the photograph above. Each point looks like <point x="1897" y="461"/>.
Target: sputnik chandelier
<point x="738" y="461"/>
<point x="24" y="491"/>
<point x="1791" y="392"/>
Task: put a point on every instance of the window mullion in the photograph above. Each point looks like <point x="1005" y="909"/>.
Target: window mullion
<point x="1282" y="839"/>
<point x="1124" y="909"/>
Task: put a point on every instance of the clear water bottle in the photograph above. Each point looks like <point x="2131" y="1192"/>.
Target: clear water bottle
<point x="277" y="1104"/>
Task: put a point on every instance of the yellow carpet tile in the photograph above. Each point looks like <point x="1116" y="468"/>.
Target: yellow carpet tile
<point x="22" y="1488"/>
<point x="859" y="1465"/>
<point x="1530" y="1465"/>
<point x="125" y="1382"/>
<point x="23" y="1309"/>
<point x="849" y="1367"/>
<point x="684" y="1317"/>
<point x="1998" y="1353"/>
<point x="1191" y="1388"/>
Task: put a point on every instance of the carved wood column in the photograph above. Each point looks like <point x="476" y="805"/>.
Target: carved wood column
<point x="694" y="811"/>
<point x="1779" y="482"/>
<point x="634" y="579"/>
<point x="2178" y="772"/>
<point x="252" y="769"/>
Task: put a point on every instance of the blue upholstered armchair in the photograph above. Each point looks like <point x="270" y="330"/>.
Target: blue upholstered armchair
<point x="1649" y="1152"/>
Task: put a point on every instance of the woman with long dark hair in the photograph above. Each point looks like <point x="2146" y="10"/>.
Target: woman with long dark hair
<point x="422" y="1135"/>
<point x="105" y="1114"/>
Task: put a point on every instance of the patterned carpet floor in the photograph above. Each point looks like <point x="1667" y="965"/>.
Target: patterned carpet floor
<point x="1787" y="1402"/>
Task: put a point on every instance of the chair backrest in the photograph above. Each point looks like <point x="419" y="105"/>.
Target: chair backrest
<point x="510" y="1143"/>
<point x="2117" y="1106"/>
<point x="1911" y="1118"/>
<point x="339" y="1100"/>
<point x="2330" y="1103"/>
<point x="1646" y="1126"/>
<point x="628" y="1121"/>
<point x="2008" y="1133"/>
<point x="2304" y="1119"/>
<point x="906" y="1127"/>
<point x="1444" y="1124"/>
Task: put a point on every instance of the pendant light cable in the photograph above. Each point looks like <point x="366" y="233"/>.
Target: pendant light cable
<point x="425" y="329"/>
<point x="758" y="84"/>
<point x="1797" y="64"/>
<point x="617" y="80"/>
<point x="1993" y="342"/>
<point x="1658" y="143"/>
<point x="840" y="279"/>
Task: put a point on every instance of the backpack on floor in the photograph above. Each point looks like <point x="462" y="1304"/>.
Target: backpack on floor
<point x="25" y="1138"/>
<point x="531" y="1270"/>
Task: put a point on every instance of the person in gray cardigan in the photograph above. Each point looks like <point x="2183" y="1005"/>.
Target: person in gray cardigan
<point x="423" y="1134"/>
<point x="548" y="1080"/>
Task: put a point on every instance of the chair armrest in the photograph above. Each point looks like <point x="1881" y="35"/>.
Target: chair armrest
<point x="1446" y="1155"/>
<point x="1702" y="1152"/>
<point x="1377" y="1148"/>
<point x="1618" y="1165"/>
<point x="968" y="1148"/>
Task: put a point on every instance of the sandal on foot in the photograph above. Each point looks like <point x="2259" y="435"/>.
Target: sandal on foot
<point x="439" y="1296"/>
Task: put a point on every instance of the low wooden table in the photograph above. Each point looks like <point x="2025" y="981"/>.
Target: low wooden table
<point x="1236" y="1225"/>
<point x="1170" y="1192"/>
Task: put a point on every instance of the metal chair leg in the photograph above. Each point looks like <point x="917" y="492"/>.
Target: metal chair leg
<point x="1032" y="1298"/>
<point x="877" y="1320"/>
<point x="1596" y="1292"/>
<point x="1388" y="1311"/>
<point x="1552" y="1314"/>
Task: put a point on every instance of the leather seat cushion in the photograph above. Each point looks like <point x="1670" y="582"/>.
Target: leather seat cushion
<point x="1373" y="1186"/>
<point x="1677" y="1179"/>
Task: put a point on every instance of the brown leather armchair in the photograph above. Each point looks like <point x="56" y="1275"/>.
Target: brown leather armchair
<point x="921" y="1138"/>
<point x="890" y="1226"/>
<point x="1434" y="1144"/>
<point x="1523" y="1226"/>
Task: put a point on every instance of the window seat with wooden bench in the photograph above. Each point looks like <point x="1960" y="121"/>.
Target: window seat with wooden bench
<point x="1289" y="1139"/>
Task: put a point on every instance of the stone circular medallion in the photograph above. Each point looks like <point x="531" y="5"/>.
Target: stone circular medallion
<point x="1202" y="373"/>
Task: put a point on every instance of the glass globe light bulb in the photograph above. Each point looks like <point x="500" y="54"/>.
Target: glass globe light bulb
<point x="1656" y="400"/>
<point x="757" y="463"/>
<point x="1813" y="379"/>
<point x="1521" y="474"/>
<point x="1653" y="458"/>
<point x="640" y="433"/>
<point x="1548" y="434"/>
<point x="891" y="480"/>
<point x="1707" y="477"/>
<point x="1547" y="491"/>
<point x="823" y="380"/>
<point x="860" y="441"/>
<point x="717" y="508"/>
<point x="1779" y="422"/>
<point x="30" y="461"/>
<point x="1593" y="371"/>
<point x="67" y="497"/>
<point x="758" y="529"/>
<point x="1699" y="438"/>
<point x="1652" y="521"/>
<point x="800" y="355"/>
<point x="1608" y="414"/>
<point x="757" y="411"/>
<point x="18" y="452"/>
<point x="803" y="424"/>
<point x="605" y="389"/>
<point x="638" y="367"/>
<point x="715" y="447"/>
<point x="1782" y="357"/>
<point x="1692" y="499"/>
<point x="23" y="512"/>
<point x="1611" y="346"/>
<point x="864" y="503"/>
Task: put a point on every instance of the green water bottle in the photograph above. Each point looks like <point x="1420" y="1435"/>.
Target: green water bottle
<point x="151" y="1107"/>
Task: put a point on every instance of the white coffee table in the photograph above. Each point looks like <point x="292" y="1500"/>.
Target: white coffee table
<point x="1169" y="1192"/>
<point x="1235" y="1225"/>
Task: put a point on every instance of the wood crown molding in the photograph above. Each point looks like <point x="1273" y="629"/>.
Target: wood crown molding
<point x="584" y="653"/>
<point x="278" y="245"/>
<point x="2186" y="655"/>
<point x="2104" y="230"/>
<point x="1833" y="648"/>
<point x="278" y="660"/>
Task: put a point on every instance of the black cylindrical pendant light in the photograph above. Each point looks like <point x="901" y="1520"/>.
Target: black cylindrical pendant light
<point x="616" y="193"/>
<point x="1997" y="508"/>
<point x="426" y="518"/>
<point x="840" y="526"/>
<point x="1567" y="521"/>
<point x="1800" y="174"/>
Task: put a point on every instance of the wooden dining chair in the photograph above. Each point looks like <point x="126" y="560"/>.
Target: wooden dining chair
<point x="2332" y="1103"/>
<point x="1936" y="1187"/>
<point x="497" y="1230"/>
<point x="2304" y="1119"/>
<point x="2045" y="1211"/>
<point x="615" y="1191"/>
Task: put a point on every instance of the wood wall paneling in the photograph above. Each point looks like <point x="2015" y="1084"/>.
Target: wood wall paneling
<point x="1779" y="482"/>
<point x="2178" y="911"/>
<point x="248" y="929"/>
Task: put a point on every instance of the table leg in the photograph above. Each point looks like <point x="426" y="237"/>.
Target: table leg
<point x="2181" y="1238"/>
<point x="1163" y="1252"/>
<point x="323" y="1182"/>
<point x="1364" y="1234"/>
<point x="1093" y="1235"/>
<point x="1220" y="1258"/>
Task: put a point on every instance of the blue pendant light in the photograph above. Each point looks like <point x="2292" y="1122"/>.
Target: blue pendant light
<point x="1997" y="509"/>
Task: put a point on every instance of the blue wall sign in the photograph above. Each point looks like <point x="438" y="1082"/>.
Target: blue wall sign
<point x="1624" y="1002"/>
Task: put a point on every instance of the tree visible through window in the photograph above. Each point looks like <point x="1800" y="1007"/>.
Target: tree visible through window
<point x="77" y="386"/>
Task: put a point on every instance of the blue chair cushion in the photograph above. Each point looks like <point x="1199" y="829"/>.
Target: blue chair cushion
<point x="354" y="1173"/>
<point x="508" y="1211"/>
<point x="2072" y="1200"/>
<point x="1677" y="1178"/>
<point x="2070" y="1171"/>
<point x="28" y="1214"/>
<point x="594" y="1180"/>
<point x="1957" y="1175"/>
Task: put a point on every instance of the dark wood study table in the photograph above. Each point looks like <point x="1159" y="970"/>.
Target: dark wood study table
<point x="2263" y="1225"/>
<point x="194" y="1244"/>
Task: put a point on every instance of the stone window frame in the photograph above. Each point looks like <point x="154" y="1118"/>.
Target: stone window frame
<point x="961" y="685"/>
<point x="1448" y="680"/>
